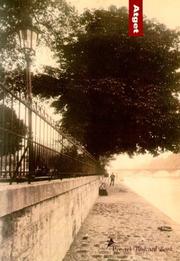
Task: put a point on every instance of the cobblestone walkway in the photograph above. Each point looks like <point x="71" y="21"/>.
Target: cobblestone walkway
<point x="132" y="224"/>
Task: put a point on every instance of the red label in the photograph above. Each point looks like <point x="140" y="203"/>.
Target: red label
<point x="136" y="18"/>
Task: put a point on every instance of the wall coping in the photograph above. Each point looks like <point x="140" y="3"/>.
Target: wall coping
<point x="19" y="196"/>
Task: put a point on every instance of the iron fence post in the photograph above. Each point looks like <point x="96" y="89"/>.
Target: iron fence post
<point x="29" y="99"/>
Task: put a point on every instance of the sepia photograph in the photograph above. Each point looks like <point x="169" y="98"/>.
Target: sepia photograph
<point x="89" y="130"/>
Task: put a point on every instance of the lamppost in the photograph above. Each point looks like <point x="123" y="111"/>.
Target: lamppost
<point x="28" y="36"/>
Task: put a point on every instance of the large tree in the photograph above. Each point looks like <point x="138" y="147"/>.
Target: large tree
<point x="119" y="93"/>
<point x="116" y="93"/>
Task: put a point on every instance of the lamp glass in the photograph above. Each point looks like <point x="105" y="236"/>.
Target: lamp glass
<point x="34" y="37"/>
<point x="28" y="39"/>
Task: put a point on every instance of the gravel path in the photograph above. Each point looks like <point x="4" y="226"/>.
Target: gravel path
<point x="131" y="224"/>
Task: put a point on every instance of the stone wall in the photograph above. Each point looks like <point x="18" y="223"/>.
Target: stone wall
<point x="39" y="221"/>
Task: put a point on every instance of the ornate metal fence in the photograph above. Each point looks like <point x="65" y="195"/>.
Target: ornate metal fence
<point x="44" y="153"/>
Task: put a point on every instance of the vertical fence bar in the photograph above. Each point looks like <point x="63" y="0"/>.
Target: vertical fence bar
<point x="3" y="132"/>
<point x="29" y="96"/>
<point x="5" y="141"/>
<point x="24" y="142"/>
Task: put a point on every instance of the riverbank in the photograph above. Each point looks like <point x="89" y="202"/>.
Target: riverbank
<point x="130" y="226"/>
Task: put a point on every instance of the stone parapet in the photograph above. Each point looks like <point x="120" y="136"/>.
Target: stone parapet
<point x="39" y="221"/>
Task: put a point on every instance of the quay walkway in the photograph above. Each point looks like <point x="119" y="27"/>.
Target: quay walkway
<point x="124" y="226"/>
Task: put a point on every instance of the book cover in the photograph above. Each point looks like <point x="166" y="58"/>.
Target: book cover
<point x="89" y="130"/>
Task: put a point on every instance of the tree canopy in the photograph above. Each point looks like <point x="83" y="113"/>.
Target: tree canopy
<point x="116" y="93"/>
<point x="119" y="93"/>
<point x="56" y="21"/>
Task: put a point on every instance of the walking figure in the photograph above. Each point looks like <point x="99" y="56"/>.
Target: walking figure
<point x="112" y="177"/>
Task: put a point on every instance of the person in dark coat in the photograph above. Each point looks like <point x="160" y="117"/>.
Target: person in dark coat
<point x="112" y="177"/>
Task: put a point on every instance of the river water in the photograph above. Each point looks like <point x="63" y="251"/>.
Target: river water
<point x="161" y="189"/>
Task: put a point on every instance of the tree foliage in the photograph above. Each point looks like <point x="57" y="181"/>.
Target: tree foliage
<point x="56" y="21"/>
<point x="116" y="93"/>
<point x="119" y="93"/>
<point x="12" y="130"/>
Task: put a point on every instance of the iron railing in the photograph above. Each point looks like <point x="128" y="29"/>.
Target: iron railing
<point x="44" y="153"/>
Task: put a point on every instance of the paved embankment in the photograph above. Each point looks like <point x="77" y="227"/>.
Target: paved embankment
<point x="132" y="224"/>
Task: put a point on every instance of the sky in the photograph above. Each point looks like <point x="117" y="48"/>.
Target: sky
<point x="166" y="12"/>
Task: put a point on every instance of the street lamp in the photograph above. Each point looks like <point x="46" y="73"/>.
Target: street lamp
<point x="28" y="37"/>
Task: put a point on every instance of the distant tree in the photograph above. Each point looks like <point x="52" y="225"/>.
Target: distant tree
<point x="12" y="130"/>
<point x="118" y="93"/>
